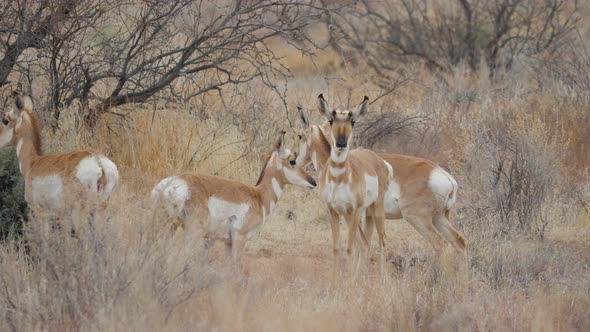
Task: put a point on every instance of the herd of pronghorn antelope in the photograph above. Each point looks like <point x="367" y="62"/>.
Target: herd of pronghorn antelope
<point x="359" y="185"/>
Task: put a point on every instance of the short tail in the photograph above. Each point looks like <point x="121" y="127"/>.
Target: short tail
<point x="102" y="181"/>
<point x="109" y="176"/>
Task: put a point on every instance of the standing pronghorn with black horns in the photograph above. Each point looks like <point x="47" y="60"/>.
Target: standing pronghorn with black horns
<point x="352" y="183"/>
<point x="54" y="182"/>
<point x="229" y="210"/>
<point x="422" y="192"/>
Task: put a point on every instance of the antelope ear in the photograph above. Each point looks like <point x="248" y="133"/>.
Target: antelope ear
<point x="361" y="108"/>
<point x="325" y="110"/>
<point x="22" y="102"/>
<point x="281" y="143"/>
<point x="303" y="118"/>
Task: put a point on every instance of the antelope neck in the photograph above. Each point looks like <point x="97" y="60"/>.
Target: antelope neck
<point x="269" y="191"/>
<point x="321" y="147"/>
<point x="26" y="149"/>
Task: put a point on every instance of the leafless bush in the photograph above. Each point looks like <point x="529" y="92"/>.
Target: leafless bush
<point x="443" y="34"/>
<point x="378" y="127"/>
<point x="523" y="177"/>
<point x="109" y="54"/>
<point x="29" y="24"/>
<point x="71" y="282"/>
<point x="569" y="68"/>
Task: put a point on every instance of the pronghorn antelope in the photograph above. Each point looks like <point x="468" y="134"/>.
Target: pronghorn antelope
<point x="229" y="210"/>
<point x="352" y="183"/>
<point x="51" y="180"/>
<point x="422" y="192"/>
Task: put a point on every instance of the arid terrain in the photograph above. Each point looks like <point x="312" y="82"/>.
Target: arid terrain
<point x="516" y="142"/>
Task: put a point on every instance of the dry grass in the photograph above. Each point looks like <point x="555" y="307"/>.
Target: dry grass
<point x="133" y="274"/>
<point x="130" y="273"/>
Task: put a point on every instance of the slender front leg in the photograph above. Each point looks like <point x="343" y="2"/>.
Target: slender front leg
<point x="238" y="242"/>
<point x="353" y="221"/>
<point x="238" y="239"/>
<point x="369" y="228"/>
<point x="379" y="221"/>
<point x="335" y="225"/>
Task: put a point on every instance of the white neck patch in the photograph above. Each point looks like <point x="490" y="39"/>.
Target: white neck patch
<point x="19" y="146"/>
<point x="276" y="187"/>
<point x="338" y="157"/>
<point x="337" y="171"/>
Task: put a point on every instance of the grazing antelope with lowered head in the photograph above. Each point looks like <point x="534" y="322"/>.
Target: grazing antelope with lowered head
<point x="353" y="183"/>
<point x="51" y="180"/>
<point x="422" y="192"/>
<point x="229" y="210"/>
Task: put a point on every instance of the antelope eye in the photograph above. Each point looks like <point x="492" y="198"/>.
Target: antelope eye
<point x="300" y="137"/>
<point x="331" y="122"/>
<point x="5" y="122"/>
<point x="352" y="123"/>
<point x="293" y="162"/>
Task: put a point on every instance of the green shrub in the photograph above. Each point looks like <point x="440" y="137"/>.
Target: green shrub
<point x="13" y="207"/>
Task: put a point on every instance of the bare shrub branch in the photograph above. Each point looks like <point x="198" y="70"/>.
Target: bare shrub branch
<point x="28" y="24"/>
<point x="110" y="54"/>
<point x="442" y="34"/>
<point x="522" y="180"/>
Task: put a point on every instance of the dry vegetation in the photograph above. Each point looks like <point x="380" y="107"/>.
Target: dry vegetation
<point x="516" y="141"/>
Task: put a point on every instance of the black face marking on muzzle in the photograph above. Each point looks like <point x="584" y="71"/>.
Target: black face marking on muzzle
<point x="341" y="142"/>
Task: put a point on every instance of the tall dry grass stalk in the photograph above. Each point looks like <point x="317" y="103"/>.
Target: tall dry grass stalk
<point x="131" y="273"/>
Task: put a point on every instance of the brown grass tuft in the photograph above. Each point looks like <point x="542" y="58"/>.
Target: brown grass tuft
<point x="131" y="273"/>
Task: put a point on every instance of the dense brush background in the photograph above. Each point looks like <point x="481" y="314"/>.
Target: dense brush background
<point x="515" y="137"/>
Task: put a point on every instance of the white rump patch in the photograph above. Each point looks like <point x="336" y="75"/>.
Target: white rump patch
<point x="47" y="191"/>
<point x="392" y="195"/>
<point x="89" y="172"/>
<point x="276" y="187"/>
<point x="391" y="199"/>
<point x="442" y="184"/>
<point x="371" y="189"/>
<point x="112" y="174"/>
<point x="222" y="211"/>
<point x="172" y="193"/>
